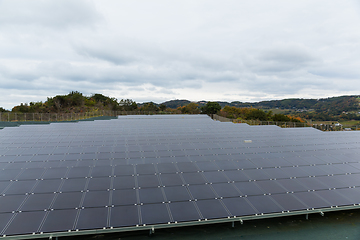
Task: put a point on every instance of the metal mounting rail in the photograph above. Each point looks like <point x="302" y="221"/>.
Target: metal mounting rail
<point x="152" y="228"/>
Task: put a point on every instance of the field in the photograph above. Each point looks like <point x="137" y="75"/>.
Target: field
<point x="280" y="111"/>
<point x="353" y="124"/>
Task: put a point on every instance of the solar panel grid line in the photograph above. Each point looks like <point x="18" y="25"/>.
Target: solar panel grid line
<point x="211" y="209"/>
<point x="311" y="199"/>
<point x="10" y="174"/>
<point x="180" y="175"/>
<point x="304" y="177"/>
<point x="21" y="187"/>
<point x="266" y="204"/>
<point x="334" y="198"/>
<point x="202" y="173"/>
<point x="4" y="185"/>
<point x="12" y="203"/>
<point x="10" y="222"/>
<point x="197" y="209"/>
<point x="289" y="201"/>
<point x="170" y="213"/>
<point x="218" y="177"/>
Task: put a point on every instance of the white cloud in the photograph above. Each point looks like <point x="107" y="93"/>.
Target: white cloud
<point x="160" y="50"/>
<point x="48" y="14"/>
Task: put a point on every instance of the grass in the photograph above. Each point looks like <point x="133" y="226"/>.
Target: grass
<point x="350" y="123"/>
<point x="279" y="111"/>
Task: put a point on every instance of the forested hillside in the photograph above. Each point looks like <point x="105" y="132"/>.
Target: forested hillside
<point x="76" y="102"/>
<point x="176" y="103"/>
<point x="325" y="109"/>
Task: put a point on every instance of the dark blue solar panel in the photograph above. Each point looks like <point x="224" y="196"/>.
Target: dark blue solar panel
<point x="124" y="216"/>
<point x="148" y="170"/>
<point x="68" y="200"/>
<point x="177" y="193"/>
<point x="155" y="213"/>
<point x="25" y="223"/>
<point x="92" y="218"/>
<point x="264" y="204"/>
<point x="96" y="199"/>
<point x="211" y="208"/>
<point x="171" y="179"/>
<point x="151" y="195"/>
<point x="239" y="206"/>
<point x="99" y="183"/>
<point x="226" y="190"/>
<point x="38" y="202"/>
<point x="311" y="199"/>
<point x="59" y="221"/>
<point x="124" y="197"/>
<point x="193" y="178"/>
<point x="184" y="211"/>
<point x="202" y="191"/>
<point x="288" y="202"/>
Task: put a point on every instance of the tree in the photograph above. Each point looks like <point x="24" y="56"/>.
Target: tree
<point x="257" y="114"/>
<point x="211" y="108"/>
<point x="97" y="97"/>
<point x="162" y="107"/>
<point x="3" y="109"/>
<point x="76" y="98"/>
<point x="150" y="107"/>
<point x="22" y="108"/>
<point x="77" y="102"/>
<point x="191" y="108"/>
<point x="280" y="118"/>
<point x="128" y="105"/>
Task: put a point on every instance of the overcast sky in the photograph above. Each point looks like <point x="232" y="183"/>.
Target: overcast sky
<point x="158" y="50"/>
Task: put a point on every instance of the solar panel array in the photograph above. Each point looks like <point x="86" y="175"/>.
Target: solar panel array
<point x="150" y="170"/>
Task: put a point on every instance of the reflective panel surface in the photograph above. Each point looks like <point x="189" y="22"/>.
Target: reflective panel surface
<point x="167" y="169"/>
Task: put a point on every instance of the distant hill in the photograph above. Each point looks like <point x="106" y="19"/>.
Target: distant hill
<point x="329" y="109"/>
<point x="176" y="103"/>
<point x="76" y="102"/>
<point x="333" y="104"/>
<point x="333" y="108"/>
<point x="336" y="104"/>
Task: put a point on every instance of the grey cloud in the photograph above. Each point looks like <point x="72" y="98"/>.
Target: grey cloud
<point x="293" y="56"/>
<point x="136" y="89"/>
<point x="160" y="65"/>
<point x="49" y="14"/>
<point x="279" y="60"/>
<point x="337" y="72"/>
<point x="166" y="91"/>
<point x="221" y="49"/>
<point x="114" y="56"/>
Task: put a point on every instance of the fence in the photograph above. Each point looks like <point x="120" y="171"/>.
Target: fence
<point x="47" y="117"/>
<point x="257" y="122"/>
<point x="322" y="127"/>
<point x="336" y="127"/>
<point x="59" y="117"/>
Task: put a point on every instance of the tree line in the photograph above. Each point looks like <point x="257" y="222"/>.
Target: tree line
<point x="256" y="114"/>
<point x="237" y="113"/>
<point x="323" y="109"/>
<point x="327" y="109"/>
<point x="76" y="102"/>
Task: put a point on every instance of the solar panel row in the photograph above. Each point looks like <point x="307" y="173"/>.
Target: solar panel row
<point x="148" y="170"/>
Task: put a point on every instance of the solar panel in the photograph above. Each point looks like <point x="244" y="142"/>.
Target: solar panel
<point x="139" y="172"/>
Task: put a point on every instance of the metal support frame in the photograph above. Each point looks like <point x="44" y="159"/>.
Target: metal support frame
<point x="183" y="224"/>
<point x="152" y="231"/>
